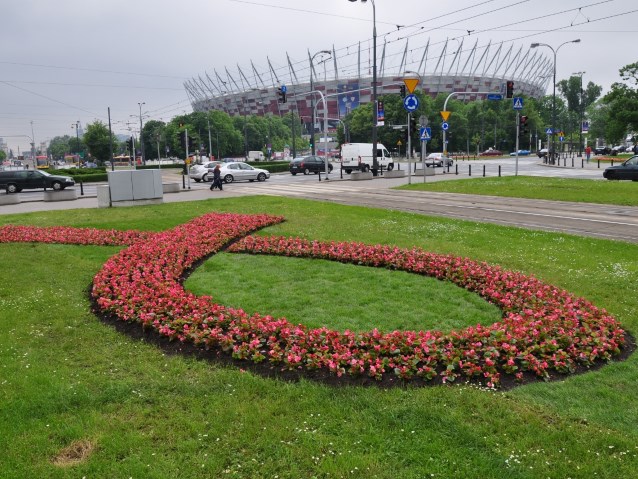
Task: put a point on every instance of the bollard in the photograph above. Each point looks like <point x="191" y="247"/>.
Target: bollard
<point x="319" y="175"/>
<point x="457" y="169"/>
<point x="183" y="181"/>
<point x="470" y="169"/>
<point x="582" y="163"/>
<point x="81" y="188"/>
<point x="572" y="161"/>
<point x="341" y="171"/>
<point x="499" y="171"/>
<point x="612" y="162"/>
<point x="598" y="162"/>
<point x="483" y="171"/>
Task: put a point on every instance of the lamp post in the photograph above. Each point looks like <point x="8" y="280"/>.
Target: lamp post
<point x="141" y="133"/>
<point x="580" y="111"/>
<point x="375" y="163"/>
<point x="76" y="125"/>
<point x="555" y="52"/>
<point x="35" y="161"/>
<point x="312" y="101"/>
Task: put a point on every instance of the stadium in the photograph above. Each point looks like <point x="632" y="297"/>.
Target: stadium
<point x="345" y="77"/>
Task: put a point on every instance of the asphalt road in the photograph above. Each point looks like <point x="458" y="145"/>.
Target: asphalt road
<point x="600" y="221"/>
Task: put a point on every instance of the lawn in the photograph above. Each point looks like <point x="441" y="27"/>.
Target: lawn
<point x="79" y="399"/>
<point x="624" y="193"/>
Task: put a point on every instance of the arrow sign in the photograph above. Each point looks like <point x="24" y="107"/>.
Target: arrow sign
<point x="518" y="103"/>
<point x="411" y="103"/>
<point x="445" y="115"/>
<point x="410" y="84"/>
<point x="445" y="126"/>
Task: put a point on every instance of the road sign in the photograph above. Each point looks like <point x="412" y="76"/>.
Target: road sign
<point x="410" y="84"/>
<point x="585" y="127"/>
<point x="445" y="115"/>
<point x="425" y="133"/>
<point x="423" y="120"/>
<point x="284" y="89"/>
<point x="445" y="126"/>
<point x="518" y="103"/>
<point x="549" y="131"/>
<point x="494" y="96"/>
<point x="411" y="103"/>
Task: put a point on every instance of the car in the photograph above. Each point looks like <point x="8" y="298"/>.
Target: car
<point x="18" y="180"/>
<point x="437" y="159"/>
<point x="491" y="152"/>
<point x="88" y="164"/>
<point x="617" y="149"/>
<point x="308" y="164"/>
<point x="240" y="171"/>
<point x="542" y="153"/>
<point x="521" y="153"/>
<point x="203" y="172"/>
<point x="628" y="170"/>
<point x="602" y="150"/>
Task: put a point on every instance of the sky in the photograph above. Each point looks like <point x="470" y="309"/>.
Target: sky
<point x="71" y="61"/>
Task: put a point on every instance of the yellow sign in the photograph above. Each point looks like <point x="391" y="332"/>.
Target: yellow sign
<point x="188" y="161"/>
<point x="410" y="84"/>
<point x="399" y="143"/>
<point x="445" y="115"/>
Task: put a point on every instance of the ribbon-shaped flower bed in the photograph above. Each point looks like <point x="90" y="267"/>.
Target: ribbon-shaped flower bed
<point x="544" y="331"/>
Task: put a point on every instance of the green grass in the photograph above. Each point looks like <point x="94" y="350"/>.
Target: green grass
<point x="624" y="193"/>
<point x="65" y="377"/>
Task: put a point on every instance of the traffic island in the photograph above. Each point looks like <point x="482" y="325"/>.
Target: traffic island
<point x="60" y="195"/>
<point x="360" y="175"/>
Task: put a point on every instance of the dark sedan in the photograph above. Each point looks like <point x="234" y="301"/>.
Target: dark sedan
<point x="626" y="171"/>
<point x="491" y="152"/>
<point x="308" y="164"/>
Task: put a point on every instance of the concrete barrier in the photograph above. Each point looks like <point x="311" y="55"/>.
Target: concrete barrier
<point x="394" y="174"/>
<point x="171" y="187"/>
<point x="103" y="196"/>
<point x="9" y="199"/>
<point x="61" y="195"/>
<point x="428" y="172"/>
<point x="360" y="175"/>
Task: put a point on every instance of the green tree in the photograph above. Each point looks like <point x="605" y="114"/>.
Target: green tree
<point x="622" y="100"/>
<point x="60" y="146"/>
<point x="3" y="155"/>
<point x="97" y="140"/>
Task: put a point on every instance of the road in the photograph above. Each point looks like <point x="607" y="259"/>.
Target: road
<point x="600" y="221"/>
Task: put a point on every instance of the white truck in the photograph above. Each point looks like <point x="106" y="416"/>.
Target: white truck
<point x="255" y="156"/>
<point x="358" y="156"/>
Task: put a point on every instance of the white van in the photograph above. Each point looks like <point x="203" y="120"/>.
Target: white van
<point x="358" y="156"/>
<point x="255" y="156"/>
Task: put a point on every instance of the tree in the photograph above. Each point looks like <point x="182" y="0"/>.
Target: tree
<point x="622" y="100"/>
<point x="97" y="140"/>
<point x="3" y="155"/>
<point x="60" y="146"/>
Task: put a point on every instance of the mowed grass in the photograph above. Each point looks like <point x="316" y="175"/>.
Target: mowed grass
<point x="79" y="399"/>
<point x="624" y="193"/>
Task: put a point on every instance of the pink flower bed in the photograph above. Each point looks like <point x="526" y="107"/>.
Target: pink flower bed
<point x="66" y="235"/>
<point x="544" y="330"/>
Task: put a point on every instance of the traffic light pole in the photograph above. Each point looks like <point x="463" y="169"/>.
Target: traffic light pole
<point x="518" y="131"/>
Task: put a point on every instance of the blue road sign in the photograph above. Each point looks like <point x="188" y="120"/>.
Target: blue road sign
<point x="494" y="96"/>
<point x="284" y="89"/>
<point x="411" y="103"/>
<point x="425" y="133"/>
<point x="549" y="131"/>
<point x="445" y="126"/>
<point x="518" y="103"/>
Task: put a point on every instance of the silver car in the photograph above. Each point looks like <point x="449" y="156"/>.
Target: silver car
<point x="203" y="172"/>
<point x="239" y="171"/>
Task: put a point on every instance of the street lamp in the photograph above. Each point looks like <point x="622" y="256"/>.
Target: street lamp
<point x="312" y="100"/>
<point x="76" y="125"/>
<point x="580" y="108"/>
<point x="375" y="163"/>
<point x="141" y="135"/>
<point x="555" y="52"/>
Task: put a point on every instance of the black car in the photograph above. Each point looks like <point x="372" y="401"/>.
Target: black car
<point x="18" y="180"/>
<point x="602" y="150"/>
<point x="308" y="164"/>
<point x="626" y="171"/>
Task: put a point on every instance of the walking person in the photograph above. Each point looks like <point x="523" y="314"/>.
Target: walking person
<point x="217" y="179"/>
<point x="588" y="152"/>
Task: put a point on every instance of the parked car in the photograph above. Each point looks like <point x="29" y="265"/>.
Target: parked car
<point x="542" y="153"/>
<point x="437" y="159"/>
<point x="18" y="180"/>
<point x="203" y="172"/>
<point x="602" y="150"/>
<point x="240" y="171"/>
<point x="628" y="170"/>
<point x="521" y="153"/>
<point x="491" y="152"/>
<point x="617" y="149"/>
<point x="308" y="164"/>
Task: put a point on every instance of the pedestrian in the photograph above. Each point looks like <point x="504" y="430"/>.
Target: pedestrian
<point x="217" y="179"/>
<point x="588" y="152"/>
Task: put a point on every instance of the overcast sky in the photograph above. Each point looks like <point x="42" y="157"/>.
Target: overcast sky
<point x="69" y="60"/>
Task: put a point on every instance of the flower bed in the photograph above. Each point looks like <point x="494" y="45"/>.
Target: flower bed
<point x="544" y="331"/>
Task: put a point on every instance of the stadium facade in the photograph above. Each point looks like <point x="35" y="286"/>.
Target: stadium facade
<point x="344" y="77"/>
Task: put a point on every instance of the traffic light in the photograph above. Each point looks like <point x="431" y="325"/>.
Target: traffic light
<point x="509" y="89"/>
<point x="181" y="136"/>
<point x="413" y="126"/>
<point x="402" y="91"/>
<point x="523" y="126"/>
<point x="190" y="144"/>
<point x="281" y="91"/>
<point x="131" y="145"/>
